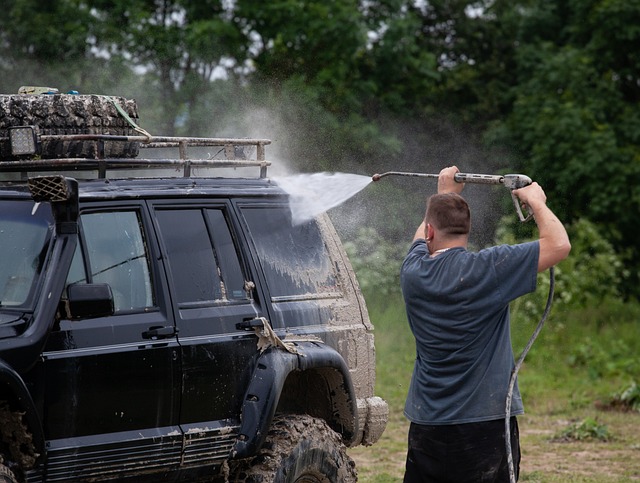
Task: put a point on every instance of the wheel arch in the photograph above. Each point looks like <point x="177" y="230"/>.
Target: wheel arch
<point x="316" y="382"/>
<point x="19" y="401"/>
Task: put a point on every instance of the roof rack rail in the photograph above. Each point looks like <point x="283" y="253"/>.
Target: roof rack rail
<point x="233" y="150"/>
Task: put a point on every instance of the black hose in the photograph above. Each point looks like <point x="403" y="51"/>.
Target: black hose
<point x="514" y="375"/>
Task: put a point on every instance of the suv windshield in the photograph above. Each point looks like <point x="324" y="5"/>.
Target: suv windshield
<point x="24" y="239"/>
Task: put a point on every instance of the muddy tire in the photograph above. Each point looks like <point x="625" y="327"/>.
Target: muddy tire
<point x="298" y="449"/>
<point x="6" y="475"/>
<point x="63" y="114"/>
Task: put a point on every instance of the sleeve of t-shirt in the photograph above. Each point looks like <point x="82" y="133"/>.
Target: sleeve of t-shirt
<point x="517" y="268"/>
<point x="417" y="250"/>
<point x="419" y="246"/>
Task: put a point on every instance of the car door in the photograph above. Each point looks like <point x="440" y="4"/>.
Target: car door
<point x="112" y="383"/>
<point x="213" y="291"/>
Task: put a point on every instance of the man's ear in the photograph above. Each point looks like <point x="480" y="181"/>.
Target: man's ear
<point x="429" y="232"/>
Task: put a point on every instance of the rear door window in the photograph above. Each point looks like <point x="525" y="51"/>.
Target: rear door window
<point x="201" y="275"/>
<point x="294" y="258"/>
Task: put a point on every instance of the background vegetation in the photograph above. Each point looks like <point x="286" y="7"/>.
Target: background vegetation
<point x="549" y="88"/>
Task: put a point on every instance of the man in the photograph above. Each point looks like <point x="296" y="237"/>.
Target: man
<point x="458" y="308"/>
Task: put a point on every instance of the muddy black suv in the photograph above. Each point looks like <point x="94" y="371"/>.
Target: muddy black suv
<point x="161" y="317"/>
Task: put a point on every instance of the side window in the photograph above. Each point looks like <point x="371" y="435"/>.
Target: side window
<point x="24" y="241"/>
<point x="200" y="273"/>
<point x="113" y="251"/>
<point x="294" y="258"/>
<point x="227" y="255"/>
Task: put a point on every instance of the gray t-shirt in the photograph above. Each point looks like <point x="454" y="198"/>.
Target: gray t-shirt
<point x="458" y="309"/>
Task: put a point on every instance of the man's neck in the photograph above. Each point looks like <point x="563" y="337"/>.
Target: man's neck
<point x="436" y="248"/>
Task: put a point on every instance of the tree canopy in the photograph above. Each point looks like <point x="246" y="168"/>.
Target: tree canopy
<point x="549" y="88"/>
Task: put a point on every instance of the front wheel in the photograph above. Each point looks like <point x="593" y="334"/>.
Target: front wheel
<point x="6" y="475"/>
<point x="298" y="449"/>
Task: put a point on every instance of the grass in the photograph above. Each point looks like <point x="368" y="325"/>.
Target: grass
<point x="581" y="362"/>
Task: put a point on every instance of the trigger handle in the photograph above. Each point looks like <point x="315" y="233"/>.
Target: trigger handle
<point x="521" y="216"/>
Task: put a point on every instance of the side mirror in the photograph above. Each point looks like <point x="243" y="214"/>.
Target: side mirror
<point x="89" y="300"/>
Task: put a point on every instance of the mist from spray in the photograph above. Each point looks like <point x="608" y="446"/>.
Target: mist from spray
<point x="393" y="207"/>
<point x="313" y="194"/>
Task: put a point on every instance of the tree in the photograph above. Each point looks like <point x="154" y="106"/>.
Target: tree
<point x="575" y="117"/>
<point x="315" y="41"/>
<point x="27" y="31"/>
<point x="179" y="44"/>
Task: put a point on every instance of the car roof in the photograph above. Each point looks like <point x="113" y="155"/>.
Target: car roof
<point x="134" y="188"/>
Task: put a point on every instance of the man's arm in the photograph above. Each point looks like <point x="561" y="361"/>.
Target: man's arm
<point x="554" y="241"/>
<point x="446" y="184"/>
<point x="421" y="232"/>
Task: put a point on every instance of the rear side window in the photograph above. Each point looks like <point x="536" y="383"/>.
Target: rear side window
<point x="294" y="258"/>
<point x="113" y="251"/>
<point x="199" y="272"/>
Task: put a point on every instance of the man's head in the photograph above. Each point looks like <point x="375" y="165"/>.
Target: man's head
<point x="449" y="214"/>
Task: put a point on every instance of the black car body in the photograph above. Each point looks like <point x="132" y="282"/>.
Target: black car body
<point x="156" y="327"/>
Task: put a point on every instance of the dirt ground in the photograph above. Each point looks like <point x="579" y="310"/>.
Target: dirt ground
<point x="544" y="458"/>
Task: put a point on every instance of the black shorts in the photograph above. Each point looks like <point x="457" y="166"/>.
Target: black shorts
<point x="458" y="453"/>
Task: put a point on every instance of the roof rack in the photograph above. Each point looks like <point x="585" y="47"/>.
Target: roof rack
<point x="234" y="151"/>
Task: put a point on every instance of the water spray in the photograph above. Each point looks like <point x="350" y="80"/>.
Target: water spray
<point x="513" y="182"/>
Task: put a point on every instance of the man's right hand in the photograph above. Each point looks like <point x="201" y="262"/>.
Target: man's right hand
<point x="532" y="196"/>
<point x="554" y="241"/>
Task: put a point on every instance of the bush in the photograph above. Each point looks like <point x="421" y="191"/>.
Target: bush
<point x="591" y="275"/>
<point x="610" y="358"/>
<point x="585" y="430"/>
<point x="627" y="399"/>
<point x="376" y="262"/>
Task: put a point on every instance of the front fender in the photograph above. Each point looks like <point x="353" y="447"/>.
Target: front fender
<point x="272" y="368"/>
<point x="15" y="392"/>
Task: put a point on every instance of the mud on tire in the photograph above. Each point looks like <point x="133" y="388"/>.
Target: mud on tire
<point x="62" y="114"/>
<point x="6" y="475"/>
<point x="298" y="449"/>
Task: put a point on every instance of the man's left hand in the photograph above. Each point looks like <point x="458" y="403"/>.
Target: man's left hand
<point x="447" y="182"/>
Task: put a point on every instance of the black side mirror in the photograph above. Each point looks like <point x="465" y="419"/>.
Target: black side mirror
<point x="89" y="300"/>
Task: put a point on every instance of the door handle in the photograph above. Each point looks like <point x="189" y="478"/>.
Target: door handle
<point x="248" y="324"/>
<point x="159" y="332"/>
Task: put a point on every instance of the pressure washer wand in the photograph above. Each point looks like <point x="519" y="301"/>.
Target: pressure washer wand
<point x="511" y="181"/>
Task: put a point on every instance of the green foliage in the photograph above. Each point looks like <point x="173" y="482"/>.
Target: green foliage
<point x="590" y="276"/>
<point x="575" y="117"/>
<point x="550" y="85"/>
<point x="376" y="262"/>
<point x="610" y="359"/>
<point x="629" y="397"/>
<point x="180" y="44"/>
<point x="405" y="72"/>
<point x="49" y="32"/>
<point x="585" y="430"/>
<point x="316" y="41"/>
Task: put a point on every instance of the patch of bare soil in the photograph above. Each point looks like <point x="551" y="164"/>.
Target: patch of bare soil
<point x="544" y="458"/>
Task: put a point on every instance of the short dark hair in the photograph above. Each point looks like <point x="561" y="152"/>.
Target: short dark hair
<point x="449" y="213"/>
